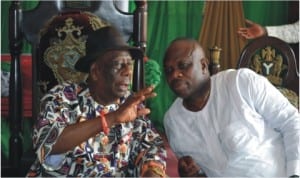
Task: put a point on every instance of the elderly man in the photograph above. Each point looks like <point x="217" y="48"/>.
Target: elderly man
<point x="98" y="128"/>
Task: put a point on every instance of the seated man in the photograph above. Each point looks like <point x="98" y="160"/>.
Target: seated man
<point x="97" y="129"/>
<point x="232" y="124"/>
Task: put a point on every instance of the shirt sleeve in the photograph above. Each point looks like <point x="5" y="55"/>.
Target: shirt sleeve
<point x="288" y="33"/>
<point x="278" y="113"/>
<point x="53" y="118"/>
<point x="151" y="144"/>
<point x="171" y="127"/>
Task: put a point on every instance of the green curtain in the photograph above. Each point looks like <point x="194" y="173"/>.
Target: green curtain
<point x="26" y="5"/>
<point x="267" y="12"/>
<point x="166" y="21"/>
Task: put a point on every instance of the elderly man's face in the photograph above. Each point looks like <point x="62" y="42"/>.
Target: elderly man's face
<point x="116" y="71"/>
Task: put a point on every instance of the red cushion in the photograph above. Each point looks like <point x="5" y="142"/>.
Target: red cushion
<point x="26" y="72"/>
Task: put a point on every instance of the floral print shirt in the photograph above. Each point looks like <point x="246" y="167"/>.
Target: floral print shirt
<point x="120" y="153"/>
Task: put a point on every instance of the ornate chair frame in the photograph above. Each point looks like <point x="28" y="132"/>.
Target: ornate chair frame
<point x="29" y="23"/>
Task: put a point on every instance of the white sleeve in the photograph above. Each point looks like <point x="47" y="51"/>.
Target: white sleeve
<point x="170" y="130"/>
<point x="288" y="33"/>
<point x="168" y="127"/>
<point x="278" y="113"/>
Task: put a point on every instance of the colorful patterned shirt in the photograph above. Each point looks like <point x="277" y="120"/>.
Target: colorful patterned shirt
<point x="111" y="155"/>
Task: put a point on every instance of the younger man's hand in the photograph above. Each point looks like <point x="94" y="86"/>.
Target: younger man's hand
<point x="187" y="167"/>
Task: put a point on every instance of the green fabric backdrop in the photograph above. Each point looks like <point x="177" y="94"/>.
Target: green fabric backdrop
<point x="166" y="21"/>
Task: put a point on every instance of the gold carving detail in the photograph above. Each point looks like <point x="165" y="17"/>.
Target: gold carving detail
<point x="269" y="64"/>
<point x="96" y="22"/>
<point x="62" y="54"/>
<point x="64" y="51"/>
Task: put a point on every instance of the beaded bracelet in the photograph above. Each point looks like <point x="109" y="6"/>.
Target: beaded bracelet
<point x="104" y="123"/>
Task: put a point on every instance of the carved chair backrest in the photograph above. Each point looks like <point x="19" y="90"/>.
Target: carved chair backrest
<point x="62" y="43"/>
<point x="274" y="59"/>
<point x="58" y="37"/>
<point x="57" y="32"/>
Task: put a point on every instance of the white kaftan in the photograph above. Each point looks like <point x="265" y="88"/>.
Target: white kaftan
<point x="246" y="129"/>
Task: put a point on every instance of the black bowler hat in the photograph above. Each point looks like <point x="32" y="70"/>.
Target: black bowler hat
<point x="100" y="41"/>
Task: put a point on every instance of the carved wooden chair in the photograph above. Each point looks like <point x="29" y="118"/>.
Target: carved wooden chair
<point x="274" y="59"/>
<point x="214" y="59"/>
<point x="57" y="32"/>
